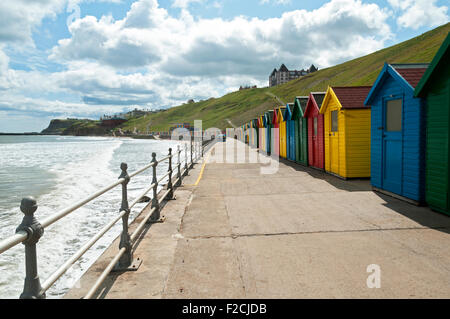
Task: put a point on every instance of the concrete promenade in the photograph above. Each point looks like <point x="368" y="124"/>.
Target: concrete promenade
<point x="299" y="233"/>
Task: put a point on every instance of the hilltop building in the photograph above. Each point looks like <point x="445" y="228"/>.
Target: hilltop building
<point x="247" y="87"/>
<point x="283" y="74"/>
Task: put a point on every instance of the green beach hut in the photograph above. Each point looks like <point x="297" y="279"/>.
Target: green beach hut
<point x="435" y="88"/>
<point x="301" y="130"/>
<point x="269" y="126"/>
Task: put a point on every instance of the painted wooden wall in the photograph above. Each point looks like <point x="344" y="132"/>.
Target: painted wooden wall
<point x="275" y="136"/>
<point x="334" y="151"/>
<point x="437" y="144"/>
<point x="316" y="153"/>
<point x="413" y="140"/>
<point x="435" y="88"/>
<point x="347" y="151"/>
<point x="357" y="141"/>
<point x="282" y="134"/>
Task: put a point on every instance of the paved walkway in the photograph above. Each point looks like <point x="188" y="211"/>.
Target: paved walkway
<point x="299" y="233"/>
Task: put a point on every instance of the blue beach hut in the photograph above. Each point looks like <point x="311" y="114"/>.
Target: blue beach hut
<point x="290" y="132"/>
<point x="398" y="132"/>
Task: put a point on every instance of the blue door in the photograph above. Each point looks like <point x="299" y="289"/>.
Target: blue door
<point x="392" y="146"/>
<point x="288" y="138"/>
<point x="292" y="140"/>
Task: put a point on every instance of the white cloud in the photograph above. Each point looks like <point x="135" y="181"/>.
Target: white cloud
<point x="150" y="37"/>
<point x="283" y="2"/>
<point x="4" y="62"/>
<point x="152" y="59"/>
<point x="19" y="18"/>
<point x="419" y="13"/>
<point x="184" y="4"/>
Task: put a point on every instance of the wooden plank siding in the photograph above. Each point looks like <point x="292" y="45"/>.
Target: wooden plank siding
<point x="349" y="155"/>
<point x="391" y="85"/>
<point x="435" y="88"/>
<point x="357" y="135"/>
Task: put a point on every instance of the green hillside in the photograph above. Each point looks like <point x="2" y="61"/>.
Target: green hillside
<point x="241" y="106"/>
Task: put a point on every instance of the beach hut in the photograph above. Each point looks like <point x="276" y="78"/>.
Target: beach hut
<point x="435" y="88"/>
<point x="255" y="135"/>
<point x="282" y="127"/>
<point x="347" y="131"/>
<point x="398" y="132"/>
<point x="300" y="130"/>
<point x="269" y="125"/>
<point x="316" y="143"/>
<point x="256" y="132"/>
<point x="275" y="136"/>
<point x="290" y="132"/>
<point x="246" y="133"/>
<point x="250" y="133"/>
<point x="261" y="134"/>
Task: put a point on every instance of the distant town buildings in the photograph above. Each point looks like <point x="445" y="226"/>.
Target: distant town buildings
<point x="283" y="74"/>
<point x="247" y="87"/>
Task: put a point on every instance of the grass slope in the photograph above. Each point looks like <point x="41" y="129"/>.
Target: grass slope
<point x="241" y="106"/>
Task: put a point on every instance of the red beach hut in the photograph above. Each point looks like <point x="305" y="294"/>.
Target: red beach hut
<point x="275" y="137"/>
<point x="316" y="144"/>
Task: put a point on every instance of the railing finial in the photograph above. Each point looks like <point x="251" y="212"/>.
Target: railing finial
<point x="32" y="286"/>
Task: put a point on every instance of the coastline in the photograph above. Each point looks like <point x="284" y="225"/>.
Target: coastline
<point x="146" y="137"/>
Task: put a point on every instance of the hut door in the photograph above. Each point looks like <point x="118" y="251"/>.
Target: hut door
<point x="392" y="146"/>
<point x="334" y="142"/>
<point x="315" y="144"/>
<point x="300" y="140"/>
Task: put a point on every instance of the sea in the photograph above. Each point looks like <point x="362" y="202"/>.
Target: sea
<point x="59" y="171"/>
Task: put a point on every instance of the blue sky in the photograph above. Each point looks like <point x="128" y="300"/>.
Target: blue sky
<point x="85" y="58"/>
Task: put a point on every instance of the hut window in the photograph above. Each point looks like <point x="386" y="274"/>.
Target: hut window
<point x="334" y="121"/>
<point x="394" y="115"/>
<point x="315" y="126"/>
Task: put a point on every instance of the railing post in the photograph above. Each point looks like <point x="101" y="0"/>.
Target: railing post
<point x="186" y="159"/>
<point x="155" y="203"/>
<point x="126" y="262"/>
<point x="169" y="184"/>
<point x="192" y="142"/>
<point x="32" y="285"/>
<point x="178" y="184"/>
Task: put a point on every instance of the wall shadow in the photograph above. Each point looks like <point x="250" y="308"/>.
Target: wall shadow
<point x="349" y="185"/>
<point x="423" y="215"/>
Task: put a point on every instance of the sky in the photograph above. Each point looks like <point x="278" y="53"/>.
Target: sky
<point x="86" y="58"/>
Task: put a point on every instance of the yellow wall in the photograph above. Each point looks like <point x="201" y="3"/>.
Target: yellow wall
<point x="334" y="152"/>
<point x="262" y="132"/>
<point x="283" y="141"/>
<point x="349" y="155"/>
<point x="358" y="142"/>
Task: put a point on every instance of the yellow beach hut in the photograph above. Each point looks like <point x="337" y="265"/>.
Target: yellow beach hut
<point x="282" y="126"/>
<point x="347" y="131"/>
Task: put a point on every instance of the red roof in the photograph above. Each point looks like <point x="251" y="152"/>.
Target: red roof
<point x="411" y="75"/>
<point x="352" y="97"/>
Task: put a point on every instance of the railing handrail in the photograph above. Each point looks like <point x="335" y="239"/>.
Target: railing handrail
<point x="30" y="230"/>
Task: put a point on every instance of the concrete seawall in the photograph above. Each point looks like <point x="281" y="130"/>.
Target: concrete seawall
<point x="299" y="233"/>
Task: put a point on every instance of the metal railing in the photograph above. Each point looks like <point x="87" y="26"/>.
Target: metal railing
<point x="31" y="230"/>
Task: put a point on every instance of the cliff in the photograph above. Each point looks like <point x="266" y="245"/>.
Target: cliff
<point x="57" y="127"/>
<point x="77" y="127"/>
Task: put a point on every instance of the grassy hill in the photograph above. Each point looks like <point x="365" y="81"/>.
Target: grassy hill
<point x="241" y="106"/>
